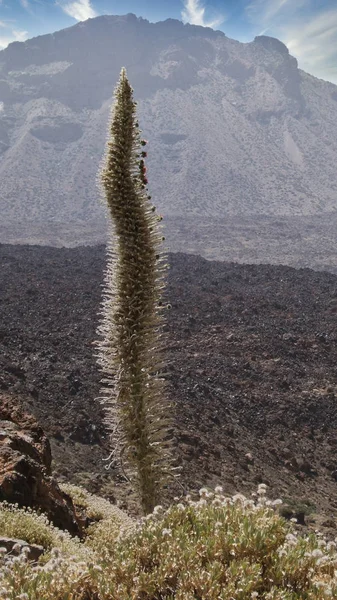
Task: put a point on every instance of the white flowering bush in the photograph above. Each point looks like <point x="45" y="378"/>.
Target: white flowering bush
<point x="211" y="548"/>
<point x="109" y="521"/>
<point x="27" y="525"/>
<point x="95" y="507"/>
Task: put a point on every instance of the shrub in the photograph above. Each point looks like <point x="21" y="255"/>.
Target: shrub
<point x="110" y="520"/>
<point x="25" y="524"/>
<point x="95" y="507"/>
<point x="214" y="548"/>
<point x="221" y="548"/>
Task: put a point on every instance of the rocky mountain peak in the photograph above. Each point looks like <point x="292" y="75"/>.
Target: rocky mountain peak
<point x="271" y="43"/>
<point x="266" y="128"/>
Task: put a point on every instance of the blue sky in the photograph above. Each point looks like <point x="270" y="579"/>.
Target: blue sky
<point x="307" y="27"/>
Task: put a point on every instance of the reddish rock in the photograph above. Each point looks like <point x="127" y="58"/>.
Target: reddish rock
<point x="25" y="468"/>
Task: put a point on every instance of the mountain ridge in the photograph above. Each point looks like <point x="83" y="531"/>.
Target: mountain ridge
<point x="234" y="129"/>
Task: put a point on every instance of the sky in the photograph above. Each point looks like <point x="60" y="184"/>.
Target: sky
<point x="307" y="27"/>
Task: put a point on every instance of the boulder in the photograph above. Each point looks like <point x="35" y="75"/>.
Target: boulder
<point x="25" y="468"/>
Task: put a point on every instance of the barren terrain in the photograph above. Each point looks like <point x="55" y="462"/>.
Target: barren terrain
<point x="252" y="354"/>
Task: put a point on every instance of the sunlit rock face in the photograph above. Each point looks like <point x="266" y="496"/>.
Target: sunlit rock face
<point x="234" y="129"/>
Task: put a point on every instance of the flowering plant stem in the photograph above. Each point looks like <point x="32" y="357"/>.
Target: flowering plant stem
<point x="131" y="328"/>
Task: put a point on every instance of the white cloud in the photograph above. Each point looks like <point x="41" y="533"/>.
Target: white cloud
<point x="13" y="36"/>
<point x="314" y="43"/>
<point x="24" y="4"/>
<point x="81" y="10"/>
<point x="20" y="36"/>
<point x="194" y="13"/>
<point x="309" y="33"/>
<point x="264" y="11"/>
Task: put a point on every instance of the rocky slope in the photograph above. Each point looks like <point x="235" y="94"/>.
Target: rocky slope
<point x="252" y="354"/>
<point x="25" y="468"/>
<point x="234" y="129"/>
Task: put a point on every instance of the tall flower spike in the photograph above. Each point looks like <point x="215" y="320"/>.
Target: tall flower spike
<point x="137" y="411"/>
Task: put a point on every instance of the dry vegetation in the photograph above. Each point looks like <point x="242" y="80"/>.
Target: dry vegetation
<point x="210" y="548"/>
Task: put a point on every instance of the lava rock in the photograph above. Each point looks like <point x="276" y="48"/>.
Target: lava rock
<point x="25" y="468"/>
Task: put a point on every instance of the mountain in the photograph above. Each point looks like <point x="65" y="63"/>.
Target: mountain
<point x="237" y="131"/>
<point x="251" y="352"/>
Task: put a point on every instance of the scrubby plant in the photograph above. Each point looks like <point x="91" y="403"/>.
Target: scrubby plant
<point x="297" y="506"/>
<point x="211" y="548"/>
<point x="108" y="522"/>
<point x="222" y="548"/>
<point x="132" y="314"/>
<point x="27" y="525"/>
<point x="95" y="507"/>
<point x="62" y="578"/>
